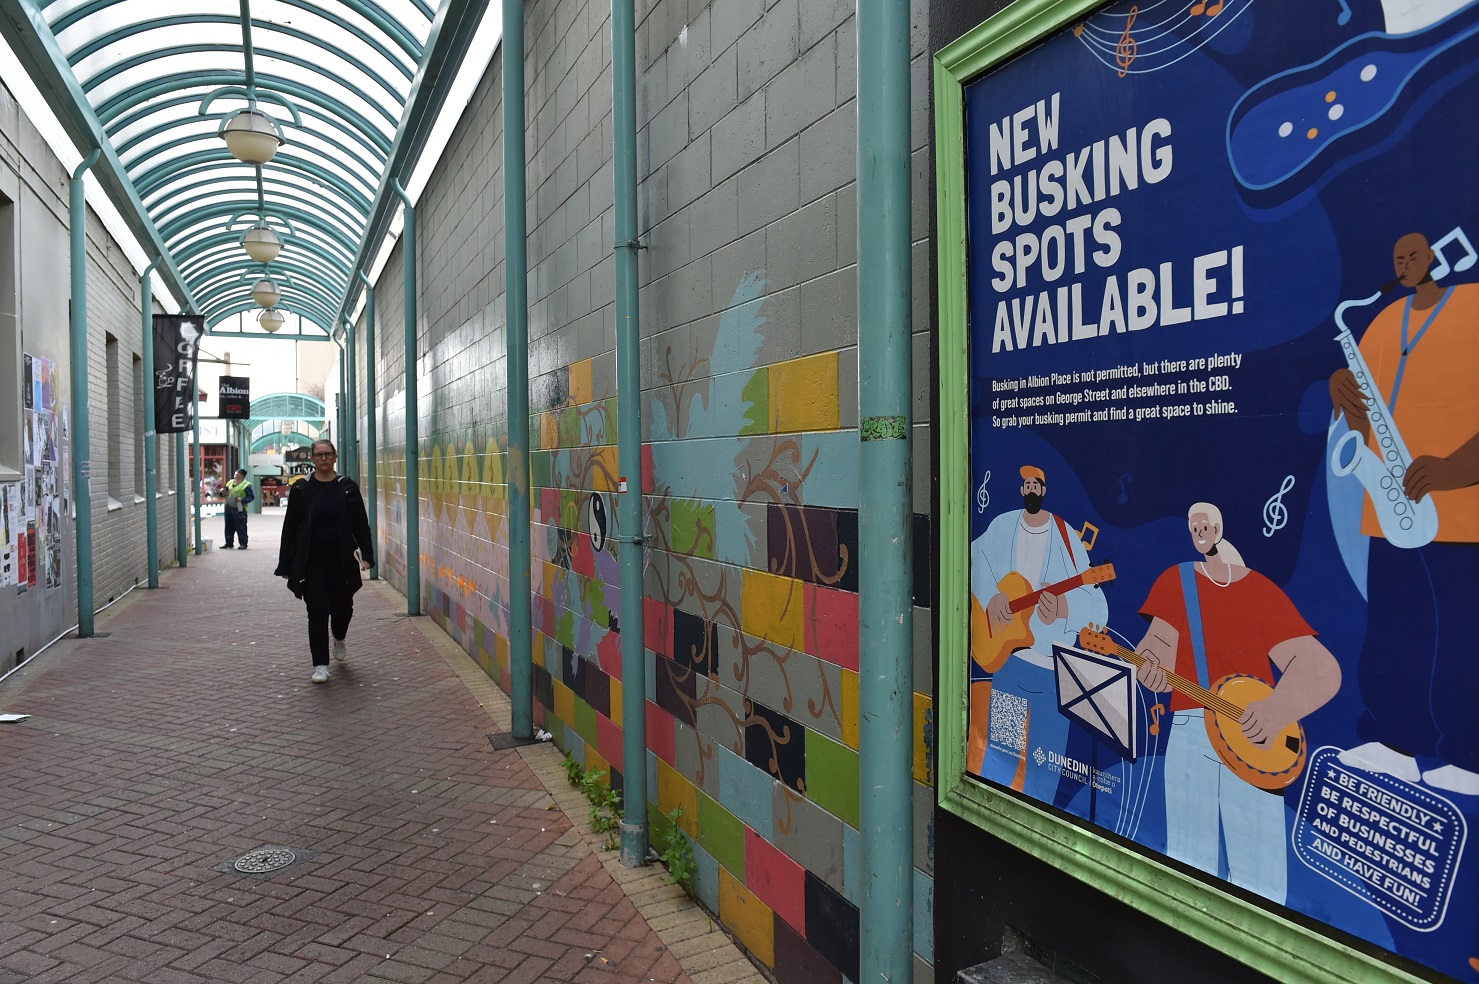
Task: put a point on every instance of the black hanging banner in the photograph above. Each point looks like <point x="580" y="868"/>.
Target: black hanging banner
<point x="236" y="397"/>
<point x="176" y="349"/>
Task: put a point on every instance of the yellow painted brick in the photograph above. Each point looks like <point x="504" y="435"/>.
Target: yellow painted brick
<point x="850" y="709"/>
<point x="674" y="790"/>
<point x="922" y="705"/>
<point x="772" y="609"/>
<point x="580" y="383"/>
<point x="549" y="430"/>
<point x="805" y="395"/>
<point x="595" y="763"/>
<point x="564" y="702"/>
<point x="616" y="716"/>
<point x="749" y="918"/>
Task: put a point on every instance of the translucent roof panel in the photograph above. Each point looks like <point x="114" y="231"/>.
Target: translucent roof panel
<point x="335" y="75"/>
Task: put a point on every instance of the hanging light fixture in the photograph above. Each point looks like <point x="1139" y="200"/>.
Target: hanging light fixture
<point x="261" y="244"/>
<point x="270" y="320"/>
<point x="251" y="135"/>
<point x="266" y="293"/>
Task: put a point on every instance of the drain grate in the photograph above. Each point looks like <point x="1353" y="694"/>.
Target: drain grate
<point x="266" y="861"/>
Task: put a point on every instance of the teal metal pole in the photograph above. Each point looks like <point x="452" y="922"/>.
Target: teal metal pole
<point x="516" y="318"/>
<point x="371" y="412"/>
<point x="182" y="535"/>
<point x="151" y="439"/>
<point x="199" y="460"/>
<point x="629" y="436"/>
<point x="885" y="505"/>
<point x="82" y="440"/>
<point x="413" y="423"/>
<point x="351" y="415"/>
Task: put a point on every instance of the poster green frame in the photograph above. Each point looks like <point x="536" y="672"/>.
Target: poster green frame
<point x="1286" y="950"/>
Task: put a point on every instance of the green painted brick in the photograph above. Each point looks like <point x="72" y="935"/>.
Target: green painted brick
<point x="756" y="399"/>
<point x="585" y="725"/>
<point x="539" y="469"/>
<point x="693" y="529"/>
<point x="832" y="777"/>
<point x="722" y="834"/>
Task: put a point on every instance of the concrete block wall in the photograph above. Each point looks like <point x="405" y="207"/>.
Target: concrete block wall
<point x="747" y="206"/>
<point x="34" y="179"/>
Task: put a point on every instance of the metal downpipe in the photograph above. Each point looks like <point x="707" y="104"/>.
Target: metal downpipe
<point x="182" y="531"/>
<point x="199" y="457"/>
<point x="629" y="436"/>
<point x="885" y="513"/>
<point x="81" y="429"/>
<point x="371" y="480"/>
<point x="351" y="413"/>
<point x="516" y="337"/>
<point x="413" y="423"/>
<point x="151" y="439"/>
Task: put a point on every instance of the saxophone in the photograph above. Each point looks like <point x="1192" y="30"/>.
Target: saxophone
<point x="1404" y="523"/>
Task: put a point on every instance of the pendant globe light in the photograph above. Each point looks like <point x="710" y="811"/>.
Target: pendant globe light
<point x="251" y="135"/>
<point x="270" y="320"/>
<point x="266" y="293"/>
<point x="261" y="244"/>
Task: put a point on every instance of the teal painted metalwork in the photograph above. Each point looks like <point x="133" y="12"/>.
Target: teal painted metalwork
<point x="81" y="421"/>
<point x="885" y="508"/>
<point x="629" y="433"/>
<point x="371" y="413"/>
<point x="151" y="439"/>
<point x="199" y="462"/>
<point x="516" y="315"/>
<point x="413" y="422"/>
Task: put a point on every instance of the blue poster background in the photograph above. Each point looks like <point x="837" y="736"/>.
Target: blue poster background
<point x="1315" y="212"/>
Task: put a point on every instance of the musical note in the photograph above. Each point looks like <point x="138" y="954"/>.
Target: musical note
<point x="1467" y="260"/>
<point x="1275" y="515"/>
<point x="1078" y="29"/>
<point x="1212" y="10"/>
<point x="1127" y="49"/>
<point x="1155" y="718"/>
<point x="1125" y="479"/>
<point x="1345" y="13"/>
<point x="983" y="498"/>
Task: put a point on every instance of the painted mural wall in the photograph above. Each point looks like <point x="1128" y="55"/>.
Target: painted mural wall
<point x="749" y="469"/>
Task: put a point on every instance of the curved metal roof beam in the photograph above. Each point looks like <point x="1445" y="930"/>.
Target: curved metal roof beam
<point x="215" y="315"/>
<point x="200" y="260"/>
<point x="128" y="146"/>
<point x="329" y="80"/>
<point x="403" y="66"/>
<point x="209" y="265"/>
<point x="378" y="146"/>
<point x="224" y="287"/>
<point x="234" y="180"/>
<point x="127" y="99"/>
<point x="303" y="226"/>
<point x="308" y="241"/>
<point x="230" y="275"/>
<point x="350" y="224"/>
<point x="298" y="152"/>
<point x="155" y="177"/>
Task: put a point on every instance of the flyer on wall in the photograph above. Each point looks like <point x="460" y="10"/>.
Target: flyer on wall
<point x="1224" y="309"/>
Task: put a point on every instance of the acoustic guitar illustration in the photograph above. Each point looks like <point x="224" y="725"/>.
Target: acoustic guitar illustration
<point x="993" y="643"/>
<point x="1272" y="766"/>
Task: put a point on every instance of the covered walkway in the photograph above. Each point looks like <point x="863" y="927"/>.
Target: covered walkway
<point x="186" y="734"/>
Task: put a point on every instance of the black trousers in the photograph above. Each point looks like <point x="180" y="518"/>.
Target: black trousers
<point x="329" y="600"/>
<point x="236" y="520"/>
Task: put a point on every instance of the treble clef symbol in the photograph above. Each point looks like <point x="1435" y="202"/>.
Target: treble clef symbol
<point x="1127" y="49"/>
<point x="983" y="498"/>
<point x="1275" y="515"/>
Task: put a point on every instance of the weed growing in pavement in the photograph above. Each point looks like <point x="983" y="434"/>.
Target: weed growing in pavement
<point x="675" y="852"/>
<point x="606" y="814"/>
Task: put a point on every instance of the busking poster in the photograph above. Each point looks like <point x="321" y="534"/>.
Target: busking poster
<point x="1224" y="449"/>
<point x="176" y="351"/>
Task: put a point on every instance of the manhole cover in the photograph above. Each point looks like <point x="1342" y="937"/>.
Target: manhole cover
<point x="263" y="861"/>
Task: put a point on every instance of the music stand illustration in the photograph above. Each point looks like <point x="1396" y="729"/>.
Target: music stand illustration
<point x="1099" y="692"/>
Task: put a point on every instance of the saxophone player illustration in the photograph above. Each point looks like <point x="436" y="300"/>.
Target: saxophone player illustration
<point x="1420" y="357"/>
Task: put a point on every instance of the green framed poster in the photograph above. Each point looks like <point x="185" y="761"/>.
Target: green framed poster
<point x="1206" y="277"/>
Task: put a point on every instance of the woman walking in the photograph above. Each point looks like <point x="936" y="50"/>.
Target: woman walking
<point x="325" y="525"/>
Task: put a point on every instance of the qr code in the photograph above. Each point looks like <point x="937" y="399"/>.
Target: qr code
<point x="1008" y="721"/>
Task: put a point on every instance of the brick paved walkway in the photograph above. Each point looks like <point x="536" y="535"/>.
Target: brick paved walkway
<point x="191" y="735"/>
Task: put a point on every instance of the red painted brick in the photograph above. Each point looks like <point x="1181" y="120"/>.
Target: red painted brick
<point x="776" y="880"/>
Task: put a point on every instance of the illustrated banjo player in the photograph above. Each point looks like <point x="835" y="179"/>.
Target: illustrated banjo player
<point x="1420" y="467"/>
<point x="1211" y="621"/>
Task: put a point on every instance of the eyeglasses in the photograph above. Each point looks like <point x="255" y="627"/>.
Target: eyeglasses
<point x="323" y="454"/>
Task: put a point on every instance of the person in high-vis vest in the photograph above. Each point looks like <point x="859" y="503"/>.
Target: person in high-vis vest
<point x="238" y="494"/>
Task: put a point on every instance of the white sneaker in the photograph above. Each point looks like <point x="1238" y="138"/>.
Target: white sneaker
<point x="1454" y="779"/>
<point x="1376" y="757"/>
<point x="340" y="650"/>
<point x="320" y="674"/>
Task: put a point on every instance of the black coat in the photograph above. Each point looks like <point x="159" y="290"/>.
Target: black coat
<point x="297" y="531"/>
